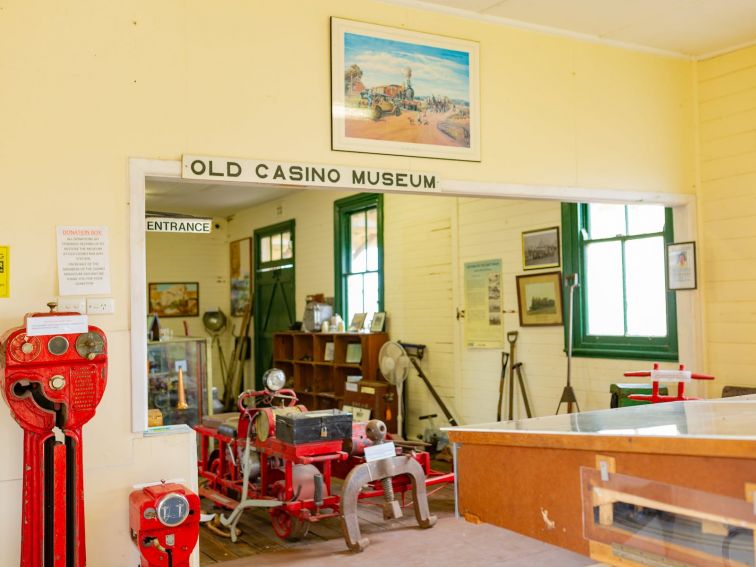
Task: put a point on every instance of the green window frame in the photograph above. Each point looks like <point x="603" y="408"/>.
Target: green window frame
<point x="575" y="228"/>
<point x="343" y="210"/>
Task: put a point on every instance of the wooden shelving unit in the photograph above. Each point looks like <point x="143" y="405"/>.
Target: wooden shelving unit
<point x="321" y="383"/>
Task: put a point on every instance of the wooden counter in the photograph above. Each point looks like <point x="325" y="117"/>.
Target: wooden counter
<point x="525" y="475"/>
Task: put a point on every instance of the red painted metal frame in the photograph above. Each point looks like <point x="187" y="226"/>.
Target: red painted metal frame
<point x="655" y="397"/>
<point x="225" y="482"/>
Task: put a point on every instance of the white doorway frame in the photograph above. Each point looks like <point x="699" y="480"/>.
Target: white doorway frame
<point x="690" y="334"/>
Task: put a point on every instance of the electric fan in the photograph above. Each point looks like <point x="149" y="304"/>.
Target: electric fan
<point x="394" y="363"/>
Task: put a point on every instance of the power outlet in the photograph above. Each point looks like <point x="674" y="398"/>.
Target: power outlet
<point x="72" y="303"/>
<point x="100" y="305"/>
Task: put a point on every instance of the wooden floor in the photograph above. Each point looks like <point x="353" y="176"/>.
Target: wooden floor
<point x="257" y="534"/>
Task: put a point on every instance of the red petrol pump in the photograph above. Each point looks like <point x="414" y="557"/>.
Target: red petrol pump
<point x="53" y="375"/>
<point x="164" y="522"/>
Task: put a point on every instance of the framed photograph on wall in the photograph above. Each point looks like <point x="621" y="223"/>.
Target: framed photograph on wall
<point x="540" y="249"/>
<point x="539" y="298"/>
<point x="179" y="299"/>
<point x="240" y="255"/>
<point x="399" y="92"/>
<point x="681" y="265"/>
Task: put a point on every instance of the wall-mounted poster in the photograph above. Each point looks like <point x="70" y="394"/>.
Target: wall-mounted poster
<point x="179" y="299"/>
<point x="681" y="265"/>
<point x="241" y="275"/>
<point x="399" y="92"/>
<point x="483" y="300"/>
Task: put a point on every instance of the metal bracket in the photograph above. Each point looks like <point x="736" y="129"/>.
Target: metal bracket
<point x="383" y="469"/>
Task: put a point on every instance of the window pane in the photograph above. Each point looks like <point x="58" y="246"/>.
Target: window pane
<point x="646" y="298"/>
<point x="603" y="263"/>
<point x="265" y="249"/>
<point x="354" y="296"/>
<point x="643" y="219"/>
<point x="372" y="239"/>
<point x="606" y="221"/>
<point x="371" y="293"/>
<point x="358" y="243"/>
<point x="287" y="246"/>
<point x="275" y="241"/>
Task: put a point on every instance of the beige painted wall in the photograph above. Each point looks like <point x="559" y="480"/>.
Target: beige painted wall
<point x="727" y="132"/>
<point x="88" y="85"/>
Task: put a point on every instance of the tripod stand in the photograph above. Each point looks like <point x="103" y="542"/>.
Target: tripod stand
<point x="568" y="394"/>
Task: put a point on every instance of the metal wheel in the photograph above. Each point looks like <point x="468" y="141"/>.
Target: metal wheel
<point x="288" y="527"/>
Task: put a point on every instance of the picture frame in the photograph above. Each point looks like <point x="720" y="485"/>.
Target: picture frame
<point x="358" y="322"/>
<point x="173" y="299"/>
<point x="681" y="266"/>
<point x="353" y="353"/>
<point x="240" y="261"/>
<point x="400" y="92"/>
<point x="539" y="299"/>
<point x="540" y="249"/>
<point x="379" y="320"/>
<point x="328" y="352"/>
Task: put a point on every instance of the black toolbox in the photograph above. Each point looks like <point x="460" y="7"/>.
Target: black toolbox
<point x="320" y="425"/>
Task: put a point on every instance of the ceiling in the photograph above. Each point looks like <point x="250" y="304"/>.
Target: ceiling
<point x="208" y="200"/>
<point x="693" y="28"/>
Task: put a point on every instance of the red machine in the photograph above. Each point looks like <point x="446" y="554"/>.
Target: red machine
<point x="54" y="371"/>
<point x="252" y="466"/>
<point x="680" y="376"/>
<point x="164" y="522"/>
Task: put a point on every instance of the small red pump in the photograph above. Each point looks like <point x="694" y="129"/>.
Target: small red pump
<point x="164" y="522"/>
<point x="53" y="372"/>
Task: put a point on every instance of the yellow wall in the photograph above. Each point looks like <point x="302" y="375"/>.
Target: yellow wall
<point x="86" y="85"/>
<point x="727" y="131"/>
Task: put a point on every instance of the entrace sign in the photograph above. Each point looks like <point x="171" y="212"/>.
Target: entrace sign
<point x="174" y="224"/>
<point x="306" y="175"/>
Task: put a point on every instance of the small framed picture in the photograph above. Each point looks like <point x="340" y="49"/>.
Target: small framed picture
<point x="681" y="265"/>
<point x="358" y="322"/>
<point x="379" y="319"/>
<point x="328" y="354"/>
<point x="179" y="299"/>
<point x="540" y="248"/>
<point x="353" y="353"/>
<point x="539" y="297"/>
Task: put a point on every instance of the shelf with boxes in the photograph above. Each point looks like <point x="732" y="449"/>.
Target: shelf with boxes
<point x="331" y="370"/>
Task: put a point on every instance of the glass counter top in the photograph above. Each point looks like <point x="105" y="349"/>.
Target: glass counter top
<point x="727" y="418"/>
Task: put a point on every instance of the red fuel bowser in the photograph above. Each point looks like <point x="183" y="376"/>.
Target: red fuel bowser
<point x="164" y="522"/>
<point x="54" y="371"/>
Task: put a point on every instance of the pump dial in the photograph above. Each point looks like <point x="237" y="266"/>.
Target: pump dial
<point x="173" y="509"/>
<point x="89" y="345"/>
<point x="24" y="348"/>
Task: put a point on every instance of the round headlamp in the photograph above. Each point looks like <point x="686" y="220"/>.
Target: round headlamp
<point x="274" y="379"/>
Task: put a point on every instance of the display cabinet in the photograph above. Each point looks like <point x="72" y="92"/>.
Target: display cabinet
<point x="172" y="401"/>
<point x="328" y="370"/>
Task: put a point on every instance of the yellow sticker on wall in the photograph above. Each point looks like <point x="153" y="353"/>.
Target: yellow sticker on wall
<point x="4" y="271"/>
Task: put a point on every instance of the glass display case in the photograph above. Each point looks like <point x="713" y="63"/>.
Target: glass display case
<point x="177" y="381"/>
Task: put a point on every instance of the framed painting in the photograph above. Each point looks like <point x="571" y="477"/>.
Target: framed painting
<point x="406" y="93"/>
<point x="539" y="299"/>
<point x="174" y="299"/>
<point x="240" y="255"/>
<point x="540" y="248"/>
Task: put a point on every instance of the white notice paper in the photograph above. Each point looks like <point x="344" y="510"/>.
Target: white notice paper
<point x="379" y="452"/>
<point x="56" y="325"/>
<point x="83" y="263"/>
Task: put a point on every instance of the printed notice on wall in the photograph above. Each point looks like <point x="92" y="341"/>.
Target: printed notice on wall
<point x="483" y="326"/>
<point x="4" y="271"/>
<point x="83" y="263"/>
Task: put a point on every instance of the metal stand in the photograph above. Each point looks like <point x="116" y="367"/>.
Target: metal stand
<point x="568" y="394"/>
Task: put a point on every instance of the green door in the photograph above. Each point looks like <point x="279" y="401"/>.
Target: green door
<point x="274" y="290"/>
